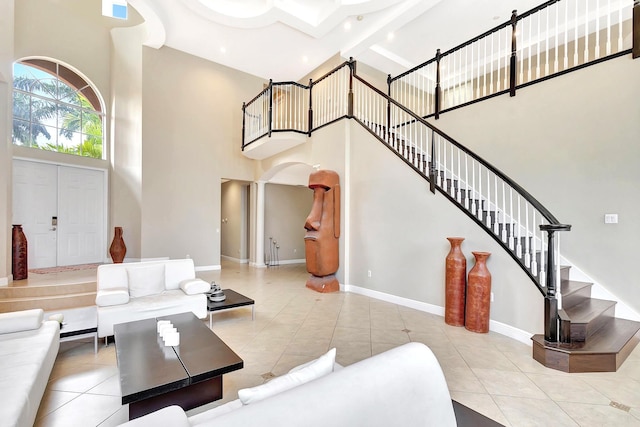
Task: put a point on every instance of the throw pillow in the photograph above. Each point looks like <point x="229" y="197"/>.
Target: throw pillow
<point x="319" y="368"/>
<point x="194" y="286"/>
<point x="146" y="280"/>
<point x="113" y="296"/>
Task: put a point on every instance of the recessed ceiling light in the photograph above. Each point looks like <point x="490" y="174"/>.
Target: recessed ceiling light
<point x="305" y="59"/>
<point x="360" y="17"/>
<point x="347" y="25"/>
<point x="390" y="36"/>
<point x="223" y="49"/>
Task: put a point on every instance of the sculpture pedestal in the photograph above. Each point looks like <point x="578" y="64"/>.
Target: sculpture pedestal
<point x="323" y="284"/>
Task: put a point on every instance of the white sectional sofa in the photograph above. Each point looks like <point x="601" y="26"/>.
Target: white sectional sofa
<point x="28" y="350"/>
<point x="404" y="386"/>
<point x="134" y="291"/>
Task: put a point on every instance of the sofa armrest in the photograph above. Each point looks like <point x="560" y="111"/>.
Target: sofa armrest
<point x="194" y="286"/>
<point x="114" y="296"/>
<point x="21" y="320"/>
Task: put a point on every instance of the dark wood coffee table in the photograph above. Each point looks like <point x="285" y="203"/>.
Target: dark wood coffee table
<point x="153" y="376"/>
<point x="233" y="300"/>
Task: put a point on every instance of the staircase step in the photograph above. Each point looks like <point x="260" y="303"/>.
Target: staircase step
<point x="589" y="316"/>
<point x="575" y="292"/>
<point x="605" y="351"/>
<point x="48" y="303"/>
<point x="46" y="290"/>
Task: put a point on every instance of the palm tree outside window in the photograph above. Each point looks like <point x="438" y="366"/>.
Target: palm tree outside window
<point x="55" y="109"/>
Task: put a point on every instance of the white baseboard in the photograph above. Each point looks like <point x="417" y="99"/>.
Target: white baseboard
<point x="498" y="327"/>
<point x="236" y="260"/>
<point x="290" y="261"/>
<point x="4" y="281"/>
<point x="208" y="267"/>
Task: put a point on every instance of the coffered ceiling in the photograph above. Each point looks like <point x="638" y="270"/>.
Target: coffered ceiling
<point x="286" y="39"/>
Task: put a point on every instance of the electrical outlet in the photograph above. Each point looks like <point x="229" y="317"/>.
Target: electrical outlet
<point x="368" y="273"/>
<point x="610" y="218"/>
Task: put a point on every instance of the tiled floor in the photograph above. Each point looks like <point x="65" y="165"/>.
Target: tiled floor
<point x="490" y="373"/>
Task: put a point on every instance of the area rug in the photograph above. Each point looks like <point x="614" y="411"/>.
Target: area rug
<point x="64" y="268"/>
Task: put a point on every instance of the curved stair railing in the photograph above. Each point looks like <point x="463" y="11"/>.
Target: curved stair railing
<point x="512" y="216"/>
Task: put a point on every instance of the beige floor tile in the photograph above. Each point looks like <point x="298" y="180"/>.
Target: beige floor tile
<point x="53" y="400"/>
<point x="526" y="363"/>
<point x="481" y="403"/>
<point x="352" y="334"/>
<point x="308" y="346"/>
<point x="349" y="352"/>
<point x="526" y="412"/>
<point x="568" y="389"/>
<point x="109" y="387"/>
<point x="485" y="358"/>
<point x="508" y="383"/>
<point x="619" y="389"/>
<point x="121" y="416"/>
<point x="85" y="410"/>
<point x="381" y="347"/>
<point x="82" y="378"/>
<point x="389" y="336"/>
<point x="462" y="378"/>
<point x="598" y="415"/>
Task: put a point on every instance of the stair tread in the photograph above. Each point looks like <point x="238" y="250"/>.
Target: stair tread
<point x="588" y="310"/>
<point x="571" y="286"/>
<point x="611" y="338"/>
<point x="46" y="297"/>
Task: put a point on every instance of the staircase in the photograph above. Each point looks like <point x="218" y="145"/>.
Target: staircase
<point x="582" y="336"/>
<point x="600" y="342"/>
<point x="47" y="297"/>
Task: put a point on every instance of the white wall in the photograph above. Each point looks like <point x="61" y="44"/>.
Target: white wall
<point x="6" y="55"/>
<point x="286" y="209"/>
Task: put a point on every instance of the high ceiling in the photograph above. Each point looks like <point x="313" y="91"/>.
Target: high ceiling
<point x="286" y="39"/>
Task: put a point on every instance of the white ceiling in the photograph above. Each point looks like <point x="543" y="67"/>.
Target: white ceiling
<point x="286" y="39"/>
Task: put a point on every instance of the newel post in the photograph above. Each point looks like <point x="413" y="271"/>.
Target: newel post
<point x="636" y="29"/>
<point x="244" y="115"/>
<point x="551" y="316"/>
<point x="310" y="106"/>
<point x="270" y="106"/>
<point x="513" y="60"/>
<point x="352" y="71"/>
<point x="437" y="97"/>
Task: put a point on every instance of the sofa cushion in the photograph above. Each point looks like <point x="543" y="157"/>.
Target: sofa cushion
<point x="173" y="416"/>
<point x="319" y="368"/>
<point x="112" y="297"/>
<point x="208" y="415"/>
<point x="194" y="286"/>
<point x="146" y="280"/>
<point x="21" y="320"/>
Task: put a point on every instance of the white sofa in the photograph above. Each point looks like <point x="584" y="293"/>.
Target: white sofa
<point x="28" y="350"/>
<point x="404" y="386"/>
<point x="140" y="290"/>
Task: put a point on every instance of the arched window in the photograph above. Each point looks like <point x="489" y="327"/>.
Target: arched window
<point x="56" y="109"/>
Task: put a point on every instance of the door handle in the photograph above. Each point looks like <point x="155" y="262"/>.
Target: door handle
<point x="53" y="229"/>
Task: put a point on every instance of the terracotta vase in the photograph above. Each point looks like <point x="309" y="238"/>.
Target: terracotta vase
<point x="478" y="295"/>
<point x="455" y="283"/>
<point x="117" y="249"/>
<point x="19" y="268"/>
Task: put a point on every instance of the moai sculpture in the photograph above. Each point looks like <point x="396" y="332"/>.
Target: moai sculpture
<point x="323" y="231"/>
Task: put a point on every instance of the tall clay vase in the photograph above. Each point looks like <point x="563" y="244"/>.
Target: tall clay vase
<point x="19" y="268"/>
<point x="455" y="283"/>
<point x="479" y="295"/>
<point x="117" y="249"/>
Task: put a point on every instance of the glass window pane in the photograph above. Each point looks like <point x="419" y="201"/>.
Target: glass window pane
<point x="91" y="123"/>
<point x="44" y="136"/>
<point x="21" y="132"/>
<point x="21" y="105"/>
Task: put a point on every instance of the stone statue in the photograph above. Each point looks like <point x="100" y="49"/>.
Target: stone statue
<point x="323" y="231"/>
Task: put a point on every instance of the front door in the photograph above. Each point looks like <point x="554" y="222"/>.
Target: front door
<point x="62" y="211"/>
<point x="35" y="205"/>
